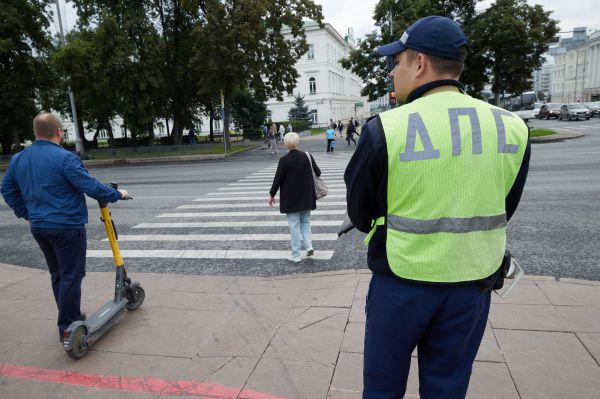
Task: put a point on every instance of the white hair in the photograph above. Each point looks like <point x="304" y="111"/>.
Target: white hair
<point x="291" y="140"/>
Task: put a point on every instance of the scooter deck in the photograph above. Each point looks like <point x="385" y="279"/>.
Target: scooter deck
<point x="105" y="317"/>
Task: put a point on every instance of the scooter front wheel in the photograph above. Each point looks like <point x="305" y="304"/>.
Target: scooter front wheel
<point x="77" y="349"/>
<point x="135" y="297"/>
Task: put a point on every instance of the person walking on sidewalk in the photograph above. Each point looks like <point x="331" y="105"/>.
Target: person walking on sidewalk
<point x="45" y="185"/>
<point x="340" y="126"/>
<point x="273" y="139"/>
<point x="294" y="177"/>
<point x="281" y="132"/>
<point x="330" y="134"/>
<point x="436" y="208"/>
<point x="192" y="136"/>
<point x="350" y="130"/>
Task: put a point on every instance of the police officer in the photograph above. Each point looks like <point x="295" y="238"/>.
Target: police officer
<point x="434" y="182"/>
<point x="45" y="185"/>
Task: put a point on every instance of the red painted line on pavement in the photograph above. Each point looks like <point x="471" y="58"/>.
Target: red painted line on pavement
<point x="130" y="384"/>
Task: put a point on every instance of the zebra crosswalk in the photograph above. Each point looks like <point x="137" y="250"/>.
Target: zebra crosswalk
<point x="235" y="222"/>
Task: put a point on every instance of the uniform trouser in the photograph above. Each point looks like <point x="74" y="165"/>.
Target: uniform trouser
<point x="64" y="250"/>
<point x="445" y="324"/>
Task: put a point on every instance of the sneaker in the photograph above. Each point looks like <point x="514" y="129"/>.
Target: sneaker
<point x="310" y="252"/>
<point x="294" y="259"/>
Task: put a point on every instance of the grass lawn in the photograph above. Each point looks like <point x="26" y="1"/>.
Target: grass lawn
<point x="317" y="131"/>
<point x="166" y="152"/>
<point x="541" y="132"/>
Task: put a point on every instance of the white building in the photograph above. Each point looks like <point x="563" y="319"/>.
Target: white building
<point x="576" y="72"/>
<point x="329" y="91"/>
<point x="542" y="79"/>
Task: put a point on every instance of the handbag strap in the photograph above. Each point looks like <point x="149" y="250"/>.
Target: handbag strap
<point x="310" y="162"/>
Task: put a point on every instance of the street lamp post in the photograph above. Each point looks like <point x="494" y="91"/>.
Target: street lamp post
<point x="78" y="142"/>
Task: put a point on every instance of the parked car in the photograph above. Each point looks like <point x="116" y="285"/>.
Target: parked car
<point x="594" y="108"/>
<point x="525" y="114"/>
<point x="574" y="111"/>
<point x="550" y="110"/>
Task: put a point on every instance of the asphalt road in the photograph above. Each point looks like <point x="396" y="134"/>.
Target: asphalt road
<point x="554" y="232"/>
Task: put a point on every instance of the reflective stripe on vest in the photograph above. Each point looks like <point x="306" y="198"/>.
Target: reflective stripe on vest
<point x="451" y="162"/>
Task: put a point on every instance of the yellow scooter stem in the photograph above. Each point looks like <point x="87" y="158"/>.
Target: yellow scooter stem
<point x="112" y="236"/>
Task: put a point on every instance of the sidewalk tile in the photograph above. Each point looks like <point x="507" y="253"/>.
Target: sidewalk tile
<point x="343" y="394"/>
<point x="572" y="294"/>
<point x="579" y="281"/>
<point x="362" y="290"/>
<point x="549" y="364"/>
<point x="11" y="275"/>
<point x="334" y="281"/>
<point x="527" y="317"/>
<point x="226" y="371"/>
<point x="354" y="338"/>
<point x="524" y="294"/>
<point x="489" y="351"/>
<point x="329" y="297"/>
<point x="348" y="373"/>
<point x="314" y="335"/>
<point x="491" y="381"/>
<point x="291" y="379"/>
<point x="592" y="343"/>
<point x="357" y="313"/>
<point x="581" y="318"/>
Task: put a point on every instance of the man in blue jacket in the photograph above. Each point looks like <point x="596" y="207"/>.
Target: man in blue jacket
<point x="45" y="185"/>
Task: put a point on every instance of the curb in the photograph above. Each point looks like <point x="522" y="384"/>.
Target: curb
<point x="177" y="158"/>
<point x="553" y="138"/>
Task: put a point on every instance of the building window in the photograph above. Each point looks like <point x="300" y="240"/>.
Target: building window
<point x="312" y="85"/>
<point x="314" y="117"/>
<point x="217" y="124"/>
<point x="311" y="51"/>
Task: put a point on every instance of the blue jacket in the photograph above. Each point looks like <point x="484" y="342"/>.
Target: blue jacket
<point x="45" y="184"/>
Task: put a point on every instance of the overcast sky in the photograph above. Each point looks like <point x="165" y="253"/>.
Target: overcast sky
<point x="343" y="14"/>
<point x="570" y="13"/>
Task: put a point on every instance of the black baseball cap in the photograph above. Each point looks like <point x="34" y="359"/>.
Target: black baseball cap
<point x="433" y="35"/>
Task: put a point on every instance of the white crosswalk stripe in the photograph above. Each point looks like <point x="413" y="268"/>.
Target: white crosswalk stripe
<point x="204" y="254"/>
<point x="261" y="231"/>
<point x="242" y="214"/>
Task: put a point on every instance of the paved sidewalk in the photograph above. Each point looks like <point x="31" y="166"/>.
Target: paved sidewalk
<point x="297" y="336"/>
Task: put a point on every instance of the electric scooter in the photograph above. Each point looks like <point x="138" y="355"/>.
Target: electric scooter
<point x="82" y="334"/>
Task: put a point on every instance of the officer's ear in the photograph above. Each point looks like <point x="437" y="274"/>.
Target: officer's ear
<point x="422" y="64"/>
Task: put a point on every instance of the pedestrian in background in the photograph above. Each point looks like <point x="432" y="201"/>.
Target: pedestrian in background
<point x="350" y="130"/>
<point x="45" y="185"/>
<point x="330" y="134"/>
<point x="273" y="139"/>
<point x="294" y="180"/>
<point x="281" y="132"/>
<point x="289" y="128"/>
<point x="192" y="136"/>
<point x="341" y="128"/>
<point x="436" y="208"/>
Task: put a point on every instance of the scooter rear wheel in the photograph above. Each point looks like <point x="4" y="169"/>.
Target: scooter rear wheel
<point x="78" y="349"/>
<point x="135" y="298"/>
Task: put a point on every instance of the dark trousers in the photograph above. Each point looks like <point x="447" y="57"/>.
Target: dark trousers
<point x="64" y="250"/>
<point x="446" y="325"/>
<point x="350" y="137"/>
<point x="329" y="147"/>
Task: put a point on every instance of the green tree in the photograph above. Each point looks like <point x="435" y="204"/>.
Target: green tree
<point x="247" y="110"/>
<point x="541" y="96"/>
<point x="24" y="71"/>
<point x="250" y="43"/>
<point x="299" y="114"/>
<point x="516" y="36"/>
<point x="131" y="62"/>
<point x="393" y="17"/>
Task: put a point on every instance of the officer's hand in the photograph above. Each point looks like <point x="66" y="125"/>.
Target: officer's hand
<point x="124" y="193"/>
<point x="271" y="201"/>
